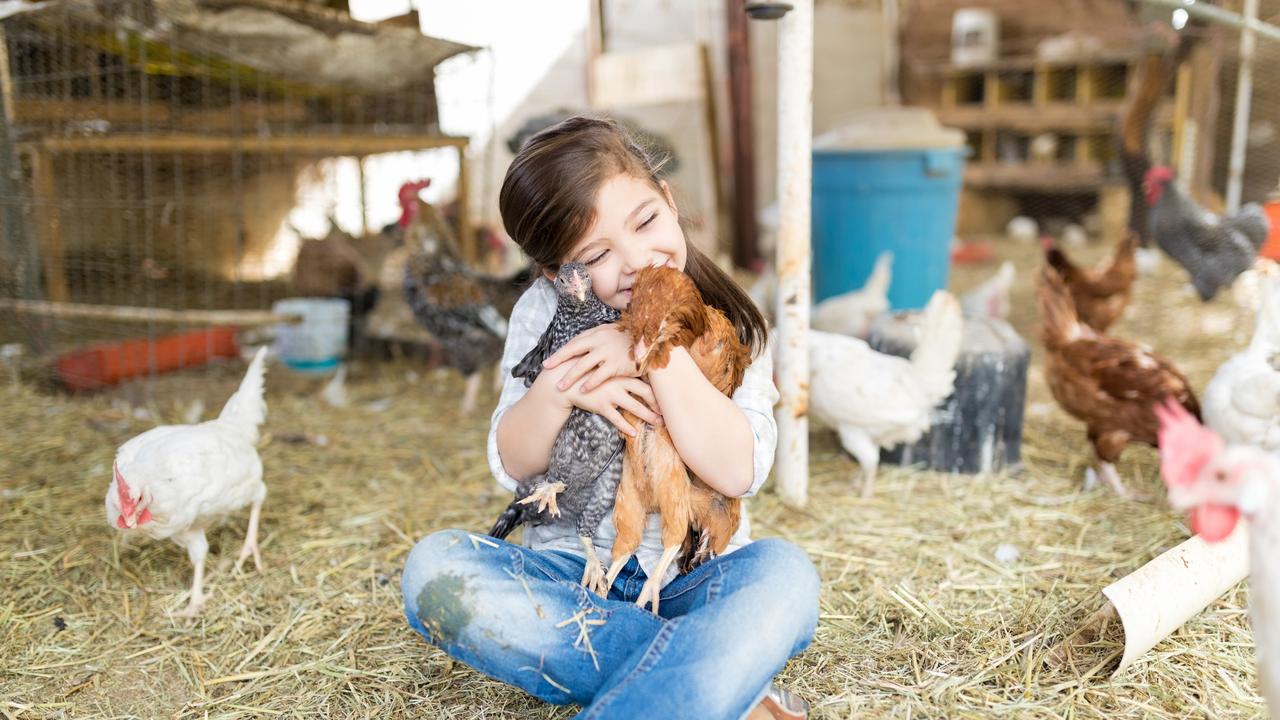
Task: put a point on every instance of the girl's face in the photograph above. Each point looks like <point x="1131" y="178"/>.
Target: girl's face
<point x="636" y="226"/>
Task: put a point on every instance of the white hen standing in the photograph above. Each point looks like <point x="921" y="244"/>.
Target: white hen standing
<point x="1218" y="485"/>
<point x="175" y="481"/>
<point x="991" y="298"/>
<point x="852" y="313"/>
<point x="1242" y="401"/>
<point x="874" y="400"/>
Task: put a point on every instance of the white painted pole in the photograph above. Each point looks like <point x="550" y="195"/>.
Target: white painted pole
<point x="795" y="182"/>
<point x="1244" y="95"/>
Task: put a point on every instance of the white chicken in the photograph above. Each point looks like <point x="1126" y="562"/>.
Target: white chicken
<point x="874" y="400"/>
<point x="1218" y="484"/>
<point x="175" y="481"/>
<point x="851" y="313"/>
<point x="991" y="298"/>
<point x="1242" y="401"/>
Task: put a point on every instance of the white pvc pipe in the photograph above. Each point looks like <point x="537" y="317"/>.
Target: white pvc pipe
<point x="1244" y="95"/>
<point x="795" y="182"/>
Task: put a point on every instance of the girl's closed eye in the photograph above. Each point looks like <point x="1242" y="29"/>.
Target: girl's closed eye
<point x="598" y="257"/>
<point x="652" y="216"/>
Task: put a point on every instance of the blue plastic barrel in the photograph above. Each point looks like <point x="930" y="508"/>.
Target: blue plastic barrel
<point x="867" y="200"/>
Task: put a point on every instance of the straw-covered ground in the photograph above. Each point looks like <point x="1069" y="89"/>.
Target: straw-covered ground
<point x="919" y="619"/>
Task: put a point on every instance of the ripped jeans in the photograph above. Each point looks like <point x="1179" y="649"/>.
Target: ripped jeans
<point x="522" y="617"/>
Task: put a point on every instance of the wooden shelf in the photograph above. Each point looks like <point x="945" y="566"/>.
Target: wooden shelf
<point x="1097" y="117"/>
<point x="313" y="144"/>
<point x="1055" y="178"/>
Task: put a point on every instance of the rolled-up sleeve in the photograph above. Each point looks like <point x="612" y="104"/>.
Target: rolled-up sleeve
<point x="529" y="319"/>
<point x="756" y="397"/>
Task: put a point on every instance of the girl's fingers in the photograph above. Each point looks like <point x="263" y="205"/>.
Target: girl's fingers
<point x="571" y="349"/>
<point x="637" y="408"/>
<point x="577" y="371"/>
<point x="615" y="417"/>
<point x="641" y="389"/>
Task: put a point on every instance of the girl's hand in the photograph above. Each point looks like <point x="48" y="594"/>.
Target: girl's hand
<point x="603" y="351"/>
<point x="612" y="397"/>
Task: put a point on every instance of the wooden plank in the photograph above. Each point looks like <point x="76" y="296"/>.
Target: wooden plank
<point x="1040" y="86"/>
<point x="128" y="313"/>
<point x="59" y="110"/>
<point x="649" y="76"/>
<point x="6" y="80"/>
<point x="1059" y="178"/>
<point x="467" y="239"/>
<point x="49" y="227"/>
<point x="318" y="144"/>
<point x="746" y="250"/>
<point x="250" y="114"/>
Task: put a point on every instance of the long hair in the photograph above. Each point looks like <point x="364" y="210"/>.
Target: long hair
<point x="548" y="199"/>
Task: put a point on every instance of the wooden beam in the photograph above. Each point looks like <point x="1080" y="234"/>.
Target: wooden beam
<point x="127" y="313"/>
<point x="49" y="227"/>
<point x="318" y="144"/>
<point x="742" y="166"/>
<point x="466" y="238"/>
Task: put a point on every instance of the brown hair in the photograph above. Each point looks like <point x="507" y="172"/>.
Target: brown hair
<point x="548" y="200"/>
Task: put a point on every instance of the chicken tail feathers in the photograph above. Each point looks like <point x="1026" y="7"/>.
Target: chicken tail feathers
<point x="247" y="408"/>
<point x="934" y="359"/>
<point x="508" y="521"/>
<point x="881" y="275"/>
<point x="1057" y="310"/>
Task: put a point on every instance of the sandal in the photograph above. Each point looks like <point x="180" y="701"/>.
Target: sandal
<point x="783" y="704"/>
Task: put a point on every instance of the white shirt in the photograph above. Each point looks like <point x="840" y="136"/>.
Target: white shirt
<point x="755" y="397"/>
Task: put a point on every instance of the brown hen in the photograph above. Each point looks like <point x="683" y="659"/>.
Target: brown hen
<point x="1110" y="384"/>
<point x="1100" y="293"/>
<point x="666" y="312"/>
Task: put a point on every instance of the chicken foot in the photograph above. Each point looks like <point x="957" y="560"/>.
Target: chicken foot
<point x="470" y="394"/>
<point x="1109" y="475"/>
<point x="197" y="548"/>
<point x="250" y="546"/>
<point x="593" y="574"/>
<point x="545" y="495"/>
<point x="865" y="451"/>
<point x="652" y="588"/>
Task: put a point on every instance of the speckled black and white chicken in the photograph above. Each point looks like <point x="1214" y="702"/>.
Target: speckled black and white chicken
<point x="464" y="310"/>
<point x="586" y="458"/>
<point x="1214" y="249"/>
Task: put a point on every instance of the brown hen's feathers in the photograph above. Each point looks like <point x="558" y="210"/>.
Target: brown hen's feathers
<point x="1108" y="383"/>
<point x="667" y="311"/>
<point x="1101" y="293"/>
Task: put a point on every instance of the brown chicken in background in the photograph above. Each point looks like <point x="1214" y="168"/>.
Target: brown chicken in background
<point x="666" y="312"/>
<point x="1110" y="384"/>
<point x="1100" y="293"/>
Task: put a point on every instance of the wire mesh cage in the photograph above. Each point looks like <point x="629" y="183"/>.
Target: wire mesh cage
<point x="170" y="156"/>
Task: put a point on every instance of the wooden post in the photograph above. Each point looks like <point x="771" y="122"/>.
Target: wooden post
<point x="746" y="250"/>
<point x="364" y="200"/>
<point x="466" y="238"/>
<point x="795" y="184"/>
<point x="49" y="227"/>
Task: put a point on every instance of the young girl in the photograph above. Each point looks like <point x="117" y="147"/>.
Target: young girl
<point x="582" y="191"/>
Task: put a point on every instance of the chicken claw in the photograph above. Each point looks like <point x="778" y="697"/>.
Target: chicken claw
<point x="593" y="573"/>
<point x="545" y="495"/>
<point x="250" y="546"/>
<point x="652" y="589"/>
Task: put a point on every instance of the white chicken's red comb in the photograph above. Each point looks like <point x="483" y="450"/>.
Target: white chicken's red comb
<point x="122" y="490"/>
<point x="1185" y="444"/>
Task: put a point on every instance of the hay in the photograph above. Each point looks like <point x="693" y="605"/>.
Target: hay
<point x="918" y="618"/>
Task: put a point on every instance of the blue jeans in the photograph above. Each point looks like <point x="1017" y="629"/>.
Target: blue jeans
<point x="522" y="617"/>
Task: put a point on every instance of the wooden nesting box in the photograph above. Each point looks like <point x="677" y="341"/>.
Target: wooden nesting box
<point x="978" y="428"/>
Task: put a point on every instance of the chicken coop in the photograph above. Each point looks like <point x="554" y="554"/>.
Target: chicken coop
<point x="171" y="155"/>
<point x="1065" y="114"/>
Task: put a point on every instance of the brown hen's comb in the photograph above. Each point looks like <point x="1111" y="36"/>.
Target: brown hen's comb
<point x="1185" y="444"/>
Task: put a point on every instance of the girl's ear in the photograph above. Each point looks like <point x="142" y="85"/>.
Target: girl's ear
<point x="548" y="275"/>
<point x="666" y="190"/>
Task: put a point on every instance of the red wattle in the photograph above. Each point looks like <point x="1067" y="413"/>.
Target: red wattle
<point x="1214" y="522"/>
